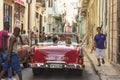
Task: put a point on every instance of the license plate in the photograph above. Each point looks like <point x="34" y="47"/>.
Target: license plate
<point x="55" y="65"/>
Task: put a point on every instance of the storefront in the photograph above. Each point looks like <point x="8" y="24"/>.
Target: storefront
<point x="7" y="13"/>
<point x="19" y="13"/>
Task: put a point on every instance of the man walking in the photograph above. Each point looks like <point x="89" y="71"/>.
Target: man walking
<point x="12" y="58"/>
<point x="24" y="37"/>
<point x="100" y="45"/>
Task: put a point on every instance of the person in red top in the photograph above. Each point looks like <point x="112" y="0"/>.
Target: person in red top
<point x="4" y="37"/>
<point x="4" y="43"/>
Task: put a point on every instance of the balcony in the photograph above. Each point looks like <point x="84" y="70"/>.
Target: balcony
<point x="83" y="13"/>
<point x="85" y="3"/>
<point x="83" y="10"/>
<point x="41" y="3"/>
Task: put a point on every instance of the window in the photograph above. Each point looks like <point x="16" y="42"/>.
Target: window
<point x="8" y="15"/>
<point x="50" y="3"/>
<point x="37" y="15"/>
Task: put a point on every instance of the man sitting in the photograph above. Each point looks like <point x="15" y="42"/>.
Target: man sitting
<point x="49" y="39"/>
<point x="68" y="42"/>
<point x="55" y="41"/>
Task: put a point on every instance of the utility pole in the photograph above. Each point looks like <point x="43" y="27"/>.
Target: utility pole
<point x="29" y="2"/>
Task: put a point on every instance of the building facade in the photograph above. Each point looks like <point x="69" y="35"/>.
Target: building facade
<point x="13" y="12"/>
<point x="19" y="14"/>
<point x="8" y="12"/>
<point x="105" y="14"/>
<point x="118" y="32"/>
<point x="114" y="31"/>
<point x="39" y="19"/>
<point x="54" y="14"/>
<point x="90" y="19"/>
<point x="1" y="14"/>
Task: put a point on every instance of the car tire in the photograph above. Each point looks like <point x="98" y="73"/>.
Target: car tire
<point x="81" y="72"/>
<point x="35" y="71"/>
<point x="77" y="72"/>
<point x="25" y="65"/>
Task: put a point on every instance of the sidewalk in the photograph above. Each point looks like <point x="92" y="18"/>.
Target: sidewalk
<point x="106" y="71"/>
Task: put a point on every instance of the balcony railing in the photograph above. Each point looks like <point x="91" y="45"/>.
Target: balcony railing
<point x="42" y="2"/>
<point x="39" y="1"/>
<point x="85" y="3"/>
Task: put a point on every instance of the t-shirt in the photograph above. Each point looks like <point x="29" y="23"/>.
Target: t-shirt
<point x="48" y="40"/>
<point x="100" y="39"/>
<point x="24" y="38"/>
<point x="5" y="34"/>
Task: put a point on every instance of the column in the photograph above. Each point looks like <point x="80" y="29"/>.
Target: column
<point x="1" y="14"/>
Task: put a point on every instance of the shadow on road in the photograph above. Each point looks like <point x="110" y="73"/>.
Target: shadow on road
<point x="58" y="75"/>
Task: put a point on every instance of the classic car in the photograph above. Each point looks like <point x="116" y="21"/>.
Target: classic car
<point x="24" y="54"/>
<point x="47" y="56"/>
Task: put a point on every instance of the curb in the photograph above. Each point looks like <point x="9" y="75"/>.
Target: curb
<point x="96" y="71"/>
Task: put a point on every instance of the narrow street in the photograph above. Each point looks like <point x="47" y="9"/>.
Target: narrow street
<point x="55" y="34"/>
<point x="88" y="74"/>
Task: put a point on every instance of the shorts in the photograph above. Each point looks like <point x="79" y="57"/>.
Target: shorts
<point x="100" y="53"/>
<point x="3" y="56"/>
<point x="14" y="63"/>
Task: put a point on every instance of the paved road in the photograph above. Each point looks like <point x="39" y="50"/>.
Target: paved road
<point x="88" y="74"/>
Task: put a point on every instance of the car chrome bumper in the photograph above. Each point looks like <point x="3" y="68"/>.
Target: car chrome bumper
<point x="56" y="65"/>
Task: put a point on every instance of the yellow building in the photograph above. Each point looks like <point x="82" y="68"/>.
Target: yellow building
<point x="114" y="31"/>
<point x="6" y="14"/>
<point x="89" y="11"/>
<point x="1" y="14"/>
<point x="105" y="14"/>
<point x="39" y="19"/>
<point x="13" y="12"/>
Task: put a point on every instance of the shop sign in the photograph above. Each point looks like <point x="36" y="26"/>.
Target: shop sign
<point x="20" y="2"/>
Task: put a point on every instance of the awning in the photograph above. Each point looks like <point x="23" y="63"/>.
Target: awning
<point x="21" y="2"/>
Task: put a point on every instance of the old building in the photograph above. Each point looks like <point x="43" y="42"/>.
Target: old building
<point x="7" y="8"/>
<point x="40" y="16"/>
<point x="103" y="13"/>
<point x="89" y="12"/>
<point x="114" y="31"/>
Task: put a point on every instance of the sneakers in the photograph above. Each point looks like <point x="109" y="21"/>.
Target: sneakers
<point x="11" y="79"/>
<point x="14" y="79"/>
<point x="99" y="65"/>
<point x="103" y="62"/>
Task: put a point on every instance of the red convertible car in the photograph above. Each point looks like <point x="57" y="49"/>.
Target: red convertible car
<point x="60" y="56"/>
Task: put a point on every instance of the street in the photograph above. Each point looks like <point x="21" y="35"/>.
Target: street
<point x="88" y="74"/>
<point x="55" y="34"/>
